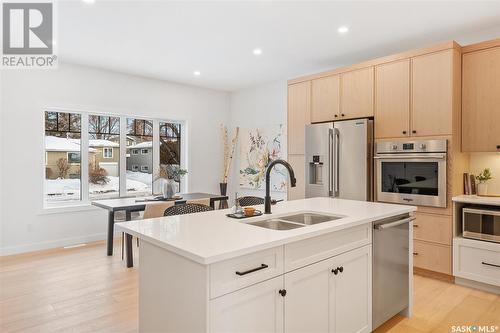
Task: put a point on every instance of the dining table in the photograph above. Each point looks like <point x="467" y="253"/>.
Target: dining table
<point x="137" y="204"/>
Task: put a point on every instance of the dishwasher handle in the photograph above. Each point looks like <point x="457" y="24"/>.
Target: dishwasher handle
<point x="383" y="226"/>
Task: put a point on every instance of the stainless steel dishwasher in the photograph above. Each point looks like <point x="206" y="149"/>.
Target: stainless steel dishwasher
<point x="390" y="267"/>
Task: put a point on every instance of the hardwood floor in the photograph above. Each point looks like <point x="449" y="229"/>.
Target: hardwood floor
<point x="83" y="290"/>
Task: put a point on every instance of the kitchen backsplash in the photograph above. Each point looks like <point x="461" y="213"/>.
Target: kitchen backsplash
<point x="479" y="161"/>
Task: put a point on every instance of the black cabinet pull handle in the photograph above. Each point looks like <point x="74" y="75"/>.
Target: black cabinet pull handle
<point x="252" y="270"/>
<point x="404" y="132"/>
<point x="336" y="115"/>
<point x="415" y="253"/>
<point x="335" y="271"/>
<point x="282" y="292"/>
<point x="343" y="115"/>
<point x="414" y="131"/>
<point x="341" y="269"/>
<point x="488" y="264"/>
<point x="498" y="146"/>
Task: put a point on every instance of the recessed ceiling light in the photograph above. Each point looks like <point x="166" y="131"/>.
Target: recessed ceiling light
<point x="343" y="29"/>
<point x="257" y="51"/>
<point x="88" y="1"/>
<point x="196" y="73"/>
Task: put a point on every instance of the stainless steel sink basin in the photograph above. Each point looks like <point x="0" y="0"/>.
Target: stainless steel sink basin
<point x="309" y="218"/>
<point x="276" y="224"/>
<point x="296" y="220"/>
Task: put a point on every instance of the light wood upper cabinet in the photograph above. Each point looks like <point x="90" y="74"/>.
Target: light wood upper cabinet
<point x="325" y="98"/>
<point x="357" y="94"/>
<point x="392" y="99"/>
<point x="481" y="101"/>
<point x="432" y="94"/>
<point x="299" y="114"/>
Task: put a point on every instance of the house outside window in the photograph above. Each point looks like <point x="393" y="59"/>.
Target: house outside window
<point x="107" y="152"/>
<point x="144" y="168"/>
<point x="135" y="151"/>
<point x="74" y="157"/>
<point x="144" y="151"/>
<point x="135" y="167"/>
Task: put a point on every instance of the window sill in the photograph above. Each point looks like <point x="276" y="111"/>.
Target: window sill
<point x="81" y="207"/>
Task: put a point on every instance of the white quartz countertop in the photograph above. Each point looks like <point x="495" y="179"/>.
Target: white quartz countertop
<point x="478" y="200"/>
<point x="210" y="237"/>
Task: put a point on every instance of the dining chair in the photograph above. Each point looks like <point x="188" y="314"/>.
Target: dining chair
<point x="204" y="201"/>
<point x="187" y="208"/>
<point x="156" y="209"/>
<point x="250" y="201"/>
<point x="152" y="210"/>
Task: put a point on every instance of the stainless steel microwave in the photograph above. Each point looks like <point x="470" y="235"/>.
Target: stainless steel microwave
<point x="411" y="172"/>
<point x="483" y="224"/>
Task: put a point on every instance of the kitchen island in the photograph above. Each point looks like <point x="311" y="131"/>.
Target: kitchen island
<point x="206" y="272"/>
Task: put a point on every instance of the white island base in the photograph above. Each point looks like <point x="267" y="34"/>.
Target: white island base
<point x="317" y="278"/>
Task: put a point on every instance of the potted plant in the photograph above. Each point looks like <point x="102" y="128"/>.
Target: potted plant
<point x="482" y="178"/>
<point x="169" y="175"/>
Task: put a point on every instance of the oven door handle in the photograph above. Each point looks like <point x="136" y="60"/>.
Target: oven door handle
<point x="410" y="156"/>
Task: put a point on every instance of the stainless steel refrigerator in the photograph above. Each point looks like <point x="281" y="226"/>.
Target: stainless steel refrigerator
<point x="339" y="160"/>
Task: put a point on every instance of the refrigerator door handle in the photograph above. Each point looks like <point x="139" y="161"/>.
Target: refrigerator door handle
<point x="330" y="162"/>
<point x="336" y="161"/>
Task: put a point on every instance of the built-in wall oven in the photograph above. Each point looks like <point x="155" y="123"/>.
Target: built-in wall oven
<point x="411" y="172"/>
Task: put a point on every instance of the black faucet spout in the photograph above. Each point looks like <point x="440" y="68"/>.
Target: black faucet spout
<point x="271" y="165"/>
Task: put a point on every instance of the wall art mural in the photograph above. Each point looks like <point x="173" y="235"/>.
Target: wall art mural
<point x="258" y="147"/>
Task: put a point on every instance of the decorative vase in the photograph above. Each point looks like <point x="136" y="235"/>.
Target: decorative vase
<point x="223" y="191"/>
<point x="168" y="189"/>
<point x="482" y="189"/>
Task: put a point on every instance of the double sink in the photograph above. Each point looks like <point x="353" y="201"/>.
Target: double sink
<point x="296" y="220"/>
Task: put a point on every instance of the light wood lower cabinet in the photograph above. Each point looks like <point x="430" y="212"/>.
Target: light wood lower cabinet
<point x="433" y="228"/>
<point x="333" y="295"/>
<point x="298" y="164"/>
<point x="432" y="256"/>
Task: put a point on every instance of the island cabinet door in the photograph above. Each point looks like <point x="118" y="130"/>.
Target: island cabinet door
<point x="307" y="299"/>
<point x="258" y="308"/>
<point x="351" y="292"/>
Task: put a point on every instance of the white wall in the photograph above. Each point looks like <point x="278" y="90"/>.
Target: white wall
<point x="25" y="93"/>
<point x="256" y="107"/>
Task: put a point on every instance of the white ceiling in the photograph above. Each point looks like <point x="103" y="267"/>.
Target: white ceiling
<point x="170" y="40"/>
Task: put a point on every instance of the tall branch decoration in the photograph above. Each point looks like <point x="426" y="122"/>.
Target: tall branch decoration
<point x="229" y="148"/>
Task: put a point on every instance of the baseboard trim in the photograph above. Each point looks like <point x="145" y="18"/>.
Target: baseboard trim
<point x="433" y="274"/>
<point x="477" y="285"/>
<point x="25" y="248"/>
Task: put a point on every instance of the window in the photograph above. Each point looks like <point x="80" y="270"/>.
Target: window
<point x="140" y="138"/>
<point x="98" y="154"/>
<point x="104" y="171"/>
<point x="107" y="152"/>
<point x="62" y="157"/>
<point x="170" y="147"/>
<point x="74" y="157"/>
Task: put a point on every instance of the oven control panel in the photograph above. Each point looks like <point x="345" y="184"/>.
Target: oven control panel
<point x="417" y="146"/>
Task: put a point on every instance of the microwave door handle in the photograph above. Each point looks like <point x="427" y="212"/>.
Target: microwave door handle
<point x="330" y="162"/>
<point x="337" y="161"/>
